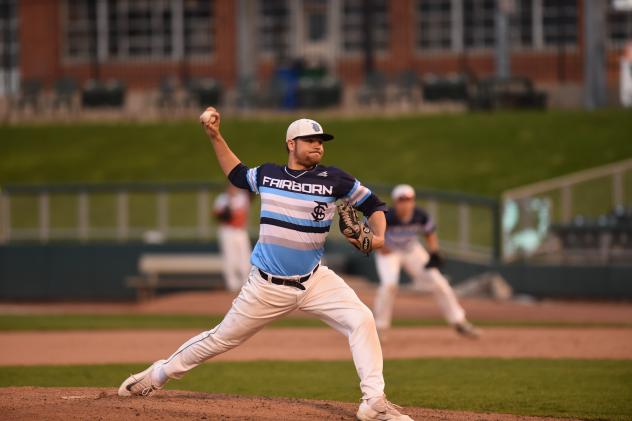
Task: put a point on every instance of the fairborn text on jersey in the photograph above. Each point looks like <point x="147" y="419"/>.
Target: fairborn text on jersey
<point x="297" y="187"/>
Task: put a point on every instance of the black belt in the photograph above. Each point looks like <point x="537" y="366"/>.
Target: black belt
<point x="296" y="283"/>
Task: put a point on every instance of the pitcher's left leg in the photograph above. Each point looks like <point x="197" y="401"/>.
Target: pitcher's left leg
<point x="334" y="302"/>
<point x="329" y="298"/>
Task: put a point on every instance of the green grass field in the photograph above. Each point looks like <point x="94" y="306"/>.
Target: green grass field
<point x="476" y="153"/>
<point x="47" y="322"/>
<point x="594" y="390"/>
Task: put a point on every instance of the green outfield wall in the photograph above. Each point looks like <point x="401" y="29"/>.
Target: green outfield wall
<point x="98" y="272"/>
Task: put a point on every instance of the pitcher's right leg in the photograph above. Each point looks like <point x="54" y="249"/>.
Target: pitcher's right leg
<point x="258" y="303"/>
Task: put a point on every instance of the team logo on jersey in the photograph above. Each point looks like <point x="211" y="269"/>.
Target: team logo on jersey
<point x="322" y="174"/>
<point x="319" y="211"/>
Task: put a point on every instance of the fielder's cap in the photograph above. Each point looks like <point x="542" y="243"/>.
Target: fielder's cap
<point x="403" y="191"/>
<point x="306" y="128"/>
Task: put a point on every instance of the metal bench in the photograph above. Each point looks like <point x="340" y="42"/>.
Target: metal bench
<point x="176" y="271"/>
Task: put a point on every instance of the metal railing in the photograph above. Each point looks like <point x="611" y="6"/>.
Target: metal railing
<point x="160" y="212"/>
<point x="528" y="211"/>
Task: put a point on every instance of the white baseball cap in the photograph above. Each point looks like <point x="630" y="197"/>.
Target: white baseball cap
<point x="403" y="191"/>
<point x="306" y="128"/>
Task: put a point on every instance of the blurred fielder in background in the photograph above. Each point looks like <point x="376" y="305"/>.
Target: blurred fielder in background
<point x="405" y="222"/>
<point x="231" y="210"/>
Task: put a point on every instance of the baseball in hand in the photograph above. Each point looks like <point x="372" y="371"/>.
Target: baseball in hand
<point x="209" y="117"/>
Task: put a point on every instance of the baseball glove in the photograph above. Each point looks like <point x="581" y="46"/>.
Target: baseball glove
<point x="352" y="228"/>
<point x="435" y="261"/>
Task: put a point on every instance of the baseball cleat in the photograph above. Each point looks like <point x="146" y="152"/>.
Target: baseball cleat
<point x="382" y="410"/>
<point x="467" y="330"/>
<point x="141" y="384"/>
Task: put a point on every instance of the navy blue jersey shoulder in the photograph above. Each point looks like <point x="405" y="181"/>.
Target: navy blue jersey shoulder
<point x="420" y="217"/>
<point x="321" y="180"/>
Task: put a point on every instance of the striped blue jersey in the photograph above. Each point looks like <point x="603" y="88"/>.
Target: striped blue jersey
<point x="297" y="208"/>
<point x="402" y="234"/>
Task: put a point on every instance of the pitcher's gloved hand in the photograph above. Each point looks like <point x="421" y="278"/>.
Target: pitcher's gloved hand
<point x="357" y="233"/>
<point x="435" y="261"/>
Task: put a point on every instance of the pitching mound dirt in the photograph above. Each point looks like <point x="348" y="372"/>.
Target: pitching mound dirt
<point x="101" y="404"/>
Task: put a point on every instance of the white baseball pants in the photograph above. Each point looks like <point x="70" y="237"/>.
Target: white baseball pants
<point x="235" y="246"/>
<point x="413" y="260"/>
<point x="260" y="302"/>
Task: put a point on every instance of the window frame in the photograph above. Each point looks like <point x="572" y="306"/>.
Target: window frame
<point x="416" y="13"/>
<point x="612" y="44"/>
<point x="267" y="53"/>
<point x="568" y="47"/>
<point x="381" y="52"/>
<point x="177" y="41"/>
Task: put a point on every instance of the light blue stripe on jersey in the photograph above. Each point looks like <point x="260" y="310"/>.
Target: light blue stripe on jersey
<point x="283" y="261"/>
<point x="365" y="197"/>
<point x="251" y="177"/>
<point x="301" y="196"/>
<point x="297" y="221"/>
<point x="353" y="189"/>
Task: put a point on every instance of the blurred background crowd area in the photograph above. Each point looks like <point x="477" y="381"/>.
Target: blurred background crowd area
<point x="164" y="58"/>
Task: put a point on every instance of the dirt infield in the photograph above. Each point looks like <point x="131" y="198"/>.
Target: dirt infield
<point x="409" y="305"/>
<point x="96" y="404"/>
<point x="102" y="347"/>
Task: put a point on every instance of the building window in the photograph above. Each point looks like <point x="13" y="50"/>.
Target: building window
<point x="138" y="29"/>
<point x="274" y="27"/>
<point x="559" y="22"/>
<point x="198" y="22"/>
<point x="352" y="25"/>
<point x="81" y="29"/>
<point x="478" y="23"/>
<point x="521" y="24"/>
<point x="619" y="27"/>
<point x="9" y="47"/>
<point x="316" y="19"/>
<point x="434" y="21"/>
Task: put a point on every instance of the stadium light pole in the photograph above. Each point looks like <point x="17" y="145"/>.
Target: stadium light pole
<point x="595" y="93"/>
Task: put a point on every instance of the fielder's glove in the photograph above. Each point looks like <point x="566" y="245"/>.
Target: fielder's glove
<point x="224" y="215"/>
<point x="435" y="261"/>
<point x="352" y="228"/>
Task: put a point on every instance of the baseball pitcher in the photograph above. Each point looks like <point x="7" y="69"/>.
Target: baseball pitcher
<point x="231" y="211"/>
<point x="297" y="207"/>
<point x="405" y="222"/>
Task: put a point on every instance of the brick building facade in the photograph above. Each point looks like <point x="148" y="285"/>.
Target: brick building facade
<point x="139" y="41"/>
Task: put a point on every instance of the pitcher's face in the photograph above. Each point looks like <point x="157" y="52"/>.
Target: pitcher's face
<point x="307" y="151"/>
